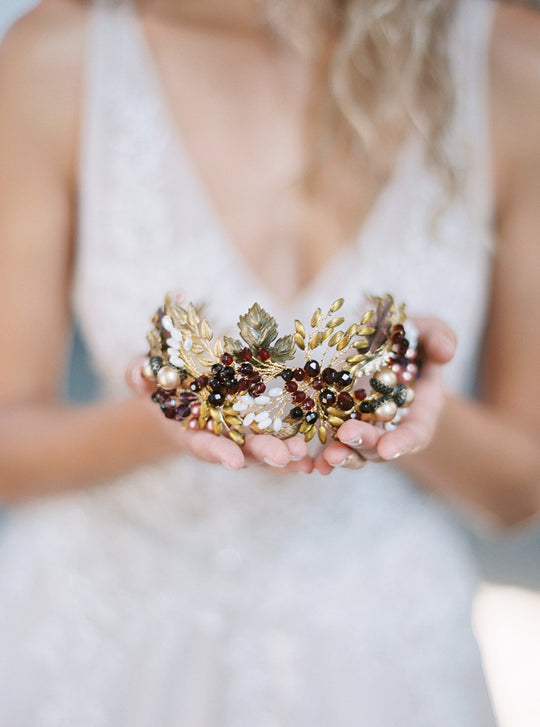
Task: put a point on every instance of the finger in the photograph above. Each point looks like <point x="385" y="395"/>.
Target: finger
<point x="297" y="447"/>
<point x="268" y="449"/>
<point x="362" y="436"/>
<point x="437" y="339"/>
<point x="321" y="465"/>
<point x="211" y="448"/>
<point x="416" y="430"/>
<point x="134" y="378"/>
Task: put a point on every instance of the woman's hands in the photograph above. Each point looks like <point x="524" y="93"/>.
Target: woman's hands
<point x="359" y="442"/>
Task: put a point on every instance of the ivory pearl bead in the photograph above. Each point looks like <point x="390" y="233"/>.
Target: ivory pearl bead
<point x="410" y="396"/>
<point x="386" y="376"/>
<point x="147" y="372"/>
<point x="168" y="378"/>
<point x="386" y="412"/>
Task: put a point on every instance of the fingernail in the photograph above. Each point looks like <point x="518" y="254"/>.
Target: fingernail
<point x="296" y="459"/>
<point x="398" y="454"/>
<point x="447" y="343"/>
<point x="354" y="442"/>
<point x="340" y="464"/>
<point x="229" y="466"/>
<point x="272" y="463"/>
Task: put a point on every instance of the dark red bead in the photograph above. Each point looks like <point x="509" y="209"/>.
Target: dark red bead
<point x="257" y="389"/>
<point x="291" y="386"/>
<point x="317" y="383"/>
<point x="327" y="397"/>
<point x="299" y="374"/>
<point x="216" y="382"/>
<point x="254" y="376"/>
<point x="287" y="374"/>
<point x="263" y="354"/>
<point x="161" y="395"/>
<point x="217" y="368"/>
<point x="344" y="378"/>
<point x="308" y="403"/>
<point x="329" y="375"/>
<point x="245" y="354"/>
<point x="227" y="359"/>
<point x="169" y="407"/>
<point x="345" y="401"/>
<point x="402" y="347"/>
<point x="360" y="394"/>
<point x="245" y="369"/>
<point x="296" y="413"/>
<point x="231" y="387"/>
<point x="397" y="333"/>
<point x="228" y="372"/>
<point x="243" y="385"/>
<point x="216" y="398"/>
<point x="202" y="381"/>
<point x="299" y="396"/>
<point x="312" y="368"/>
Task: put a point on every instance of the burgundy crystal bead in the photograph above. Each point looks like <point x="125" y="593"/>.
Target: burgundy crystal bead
<point x="216" y="382"/>
<point x="308" y="403"/>
<point x="311" y="417"/>
<point x="312" y="368"/>
<point x="402" y="347"/>
<point x="317" y="383"/>
<point x="327" y="397"/>
<point x="245" y="369"/>
<point x="329" y="375"/>
<point x="228" y="372"/>
<point x="183" y="412"/>
<point x="263" y="354"/>
<point x="161" y="395"/>
<point x="202" y="381"/>
<point x="397" y="333"/>
<point x="299" y="374"/>
<point x="299" y="396"/>
<point x="287" y="374"/>
<point x="243" y="385"/>
<point x="169" y="407"/>
<point x="296" y="413"/>
<point x="216" y="398"/>
<point x="360" y="394"/>
<point x="227" y="359"/>
<point x="217" y="368"/>
<point x="245" y="354"/>
<point x="257" y="389"/>
<point x="345" y="401"/>
<point x="344" y="378"/>
<point x="291" y="386"/>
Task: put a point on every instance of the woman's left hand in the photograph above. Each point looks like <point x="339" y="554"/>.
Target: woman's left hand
<point x="361" y="442"/>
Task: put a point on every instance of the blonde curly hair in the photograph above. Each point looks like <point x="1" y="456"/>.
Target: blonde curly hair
<point x="382" y="63"/>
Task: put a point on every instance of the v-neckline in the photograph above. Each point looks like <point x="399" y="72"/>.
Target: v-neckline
<point x="341" y="259"/>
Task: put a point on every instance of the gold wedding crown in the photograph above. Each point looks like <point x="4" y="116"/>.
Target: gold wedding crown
<point x="364" y="370"/>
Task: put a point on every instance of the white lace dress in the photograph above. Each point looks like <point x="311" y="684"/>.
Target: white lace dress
<point x="187" y="595"/>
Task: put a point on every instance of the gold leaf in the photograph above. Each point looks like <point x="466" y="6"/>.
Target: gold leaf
<point x="300" y="329"/>
<point x="154" y="341"/>
<point x="334" y="412"/>
<point x="338" y="335"/>
<point x="237" y="437"/>
<point x="336" y="305"/>
<point x="179" y="316"/>
<point x="335" y="421"/>
<point x="326" y="334"/>
<point x="206" y="361"/>
<point x="218" y="427"/>
<point x="310" y="433"/>
<point x="218" y="348"/>
<point x="367" y="331"/>
<point x="316" y="340"/>
<point x="197" y="348"/>
<point x="206" y="331"/>
<point x="361" y="344"/>
<point x="229" y="411"/>
<point x="316" y="317"/>
<point x="342" y="345"/>
<point x="215" y="414"/>
<point x="358" y="358"/>
<point x="193" y="316"/>
<point x="298" y="339"/>
<point x="322" y="434"/>
<point x="304" y="427"/>
<point x="335" y="322"/>
<point x="367" y="317"/>
<point x="351" y="330"/>
<point x="233" y="421"/>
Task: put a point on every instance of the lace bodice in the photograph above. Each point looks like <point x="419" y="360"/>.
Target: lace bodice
<point x="183" y="594"/>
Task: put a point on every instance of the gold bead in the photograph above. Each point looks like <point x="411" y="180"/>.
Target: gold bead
<point x="386" y="412"/>
<point x="386" y="376"/>
<point x="147" y="372"/>
<point x="168" y="378"/>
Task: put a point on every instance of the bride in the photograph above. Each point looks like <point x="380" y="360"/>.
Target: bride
<point x="285" y="153"/>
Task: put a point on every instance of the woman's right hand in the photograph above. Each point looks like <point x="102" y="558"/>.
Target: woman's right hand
<point x="289" y="455"/>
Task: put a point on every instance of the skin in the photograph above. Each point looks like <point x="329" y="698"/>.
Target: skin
<point x="496" y="436"/>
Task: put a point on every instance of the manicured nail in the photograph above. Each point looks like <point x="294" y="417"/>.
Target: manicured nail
<point x="354" y="442"/>
<point x="272" y="463"/>
<point x="340" y="464"/>
<point x="296" y="459"/>
<point x="230" y="466"/>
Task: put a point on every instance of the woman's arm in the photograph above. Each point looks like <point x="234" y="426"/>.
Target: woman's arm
<point x="486" y="453"/>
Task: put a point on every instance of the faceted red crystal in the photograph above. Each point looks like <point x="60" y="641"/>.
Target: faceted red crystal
<point x="299" y="374"/>
<point x="345" y="401"/>
<point x="291" y="386"/>
<point x="263" y="354"/>
<point x="360" y="394"/>
<point x="245" y="354"/>
<point x="327" y="397"/>
<point x="202" y="381"/>
<point x="257" y="389"/>
<point x="317" y="383"/>
<point x="299" y="396"/>
<point x="308" y="403"/>
<point x="227" y="359"/>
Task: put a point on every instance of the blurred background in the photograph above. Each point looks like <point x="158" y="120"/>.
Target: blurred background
<point x="507" y="614"/>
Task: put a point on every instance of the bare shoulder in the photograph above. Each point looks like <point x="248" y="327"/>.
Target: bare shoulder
<point x="41" y="60"/>
<point x="515" y="72"/>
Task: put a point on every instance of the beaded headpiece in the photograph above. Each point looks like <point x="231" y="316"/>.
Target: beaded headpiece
<point x="361" y="370"/>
